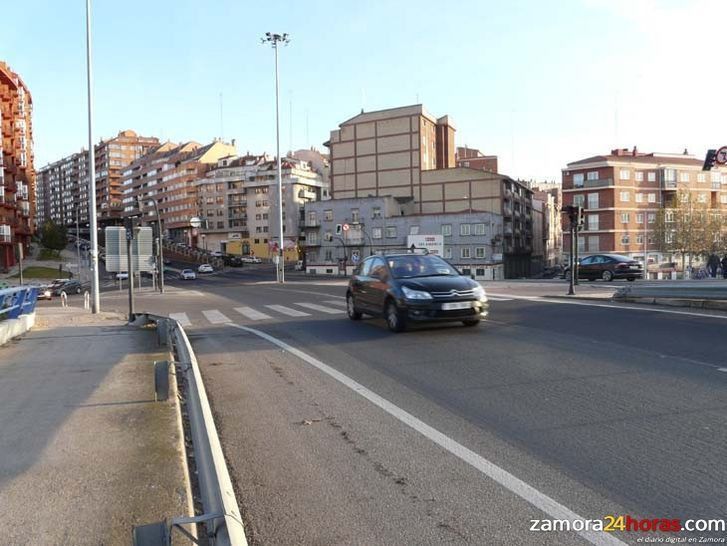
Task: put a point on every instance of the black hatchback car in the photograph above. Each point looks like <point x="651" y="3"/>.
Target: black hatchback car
<point x="411" y="287"/>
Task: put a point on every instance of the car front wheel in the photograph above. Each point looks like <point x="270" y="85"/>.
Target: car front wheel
<point x="394" y="318"/>
<point x="353" y="313"/>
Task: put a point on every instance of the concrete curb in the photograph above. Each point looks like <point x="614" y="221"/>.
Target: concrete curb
<point x="12" y="328"/>
<point x="720" y="305"/>
<point x="580" y="298"/>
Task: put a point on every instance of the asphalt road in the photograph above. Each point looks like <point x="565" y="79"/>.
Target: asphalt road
<point x="447" y="434"/>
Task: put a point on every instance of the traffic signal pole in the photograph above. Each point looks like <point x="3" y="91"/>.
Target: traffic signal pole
<point x="571" y="290"/>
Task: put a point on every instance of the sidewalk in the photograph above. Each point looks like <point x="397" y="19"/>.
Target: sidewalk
<point x="554" y="288"/>
<point x="85" y="451"/>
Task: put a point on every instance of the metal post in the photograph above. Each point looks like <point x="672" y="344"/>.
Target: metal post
<point x="281" y="249"/>
<point x="575" y="254"/>
<point x="96" y="305"/>
<point x="571" y="291"/>
<point x="78" y="242"/>
<point x="130" y="268"/>
<point x="160" y="234"/>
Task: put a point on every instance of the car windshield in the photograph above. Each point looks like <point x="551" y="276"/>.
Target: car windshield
<point x="407" y="267"/>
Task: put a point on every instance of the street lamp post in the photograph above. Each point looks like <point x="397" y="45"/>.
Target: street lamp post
<point x="275" y="39"/>
<point x="95" y="300"/>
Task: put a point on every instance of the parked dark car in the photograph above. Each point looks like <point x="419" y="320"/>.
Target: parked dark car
<point x="233" y="261"/>
<point x="609" y="267"/>
<point x="405" y="288"/>
<point x="69" y="287"/>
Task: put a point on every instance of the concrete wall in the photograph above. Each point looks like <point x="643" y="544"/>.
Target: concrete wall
<point x="12" y="328"/>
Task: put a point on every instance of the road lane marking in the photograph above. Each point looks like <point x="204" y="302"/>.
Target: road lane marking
<point x="335" y="302"/>
<point x="288" y="311"/>
<point x="251" y="313"/>
<point x="497" y="298"/>
<point x="541" y="299"/>
<point x="510" y="482"/>
<point x="321" y="308"/>
<point x="215" y="317"/>
<point x="181" y="318"/>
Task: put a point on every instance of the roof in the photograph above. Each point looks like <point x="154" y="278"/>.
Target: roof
<point x="650" y="158"/>
<point x="376" y="115"/>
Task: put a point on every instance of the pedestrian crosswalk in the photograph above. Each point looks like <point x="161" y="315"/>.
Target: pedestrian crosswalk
<point x="271" y="312"/>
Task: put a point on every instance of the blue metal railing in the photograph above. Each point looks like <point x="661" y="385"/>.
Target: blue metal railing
<point x="17" y="301"/>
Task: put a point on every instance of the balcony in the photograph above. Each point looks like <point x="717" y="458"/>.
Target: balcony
<point x="507" y="229"/>
<point x="669" y="184"/>
<point x="716" y="185"/>
<point x="598" y="183"/>
<point x="312" y="223"/>
<point x="312" y="242"/>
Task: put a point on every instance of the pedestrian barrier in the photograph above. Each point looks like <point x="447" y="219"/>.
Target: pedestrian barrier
<point x="64" y="299"/>
<point x="221" y="516"/>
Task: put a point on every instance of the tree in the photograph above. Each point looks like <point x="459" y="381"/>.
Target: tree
<point x="53" y="236"/>
<point x="689" y="228"/>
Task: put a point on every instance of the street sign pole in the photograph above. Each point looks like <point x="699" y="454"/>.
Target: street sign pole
<point x="20" y="261"/>
<point x="571" y="290"/>
<point x="130" y="266"/>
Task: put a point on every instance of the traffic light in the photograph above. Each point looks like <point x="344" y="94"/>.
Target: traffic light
<point x="710" y="160"/>
<point x="339" y="228"/>
<point x="580" y="218"/>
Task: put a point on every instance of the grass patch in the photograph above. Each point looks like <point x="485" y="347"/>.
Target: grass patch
<point x="49" y="254"/>
<point x="38" y="272"/>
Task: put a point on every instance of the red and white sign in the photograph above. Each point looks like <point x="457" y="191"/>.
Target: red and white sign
<point x="722" y="155"/>
<point x="345" y="227"/>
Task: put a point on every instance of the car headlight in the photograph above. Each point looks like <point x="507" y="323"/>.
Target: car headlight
<point x="479" y="293"/>
<point x="415" y="294"/>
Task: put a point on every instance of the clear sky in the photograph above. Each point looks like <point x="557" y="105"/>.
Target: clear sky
<point x="537" y="83"/>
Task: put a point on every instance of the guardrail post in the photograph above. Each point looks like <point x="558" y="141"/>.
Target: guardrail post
<point x="161" y="380"/>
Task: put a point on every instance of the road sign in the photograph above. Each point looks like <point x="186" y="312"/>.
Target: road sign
<point x="722" y="155"/>
<point x="195" y="222"/>
<point x="116" y="260"/>
<point x="345" y="227"/>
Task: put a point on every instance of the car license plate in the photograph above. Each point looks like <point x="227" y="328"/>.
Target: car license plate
<point x="456" y="305"/>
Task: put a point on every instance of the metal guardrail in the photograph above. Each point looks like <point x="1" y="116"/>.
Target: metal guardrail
<point x="221" y="512"/>
<point x="17" y="301"/>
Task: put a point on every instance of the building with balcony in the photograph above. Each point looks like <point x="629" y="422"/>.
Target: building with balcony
<point x="473" y="158"/>
<point x="17" y="175"/>
<point x="623" y="192"/>
<point x="63" y="185"/>
<point x="237" y="201"/>
<point x="168" y="175"/>
<point x="472" y="240"/>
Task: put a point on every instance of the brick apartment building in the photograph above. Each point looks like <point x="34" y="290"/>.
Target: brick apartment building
<point x="238" y="200"/>
<point x="168" y="174"/>
<point x="622" y="193"/>
<point x="63" y="185"/>
<point x="408" y="153"/>
<point x="474" y="159"/>
<point x="17" y="176"/>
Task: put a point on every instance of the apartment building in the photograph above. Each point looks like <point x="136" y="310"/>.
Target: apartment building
<point x="408" y="153"/>
<point x="473" y="158"/>
<point x="17" y="175"/>
<point x="167" y="174"/>
<point x="622" y="193"/>
<point x="472" y="241"/>
<point x="237" y="200"/>
<point x="63" y="185"/>
<point x="547" y="199"/>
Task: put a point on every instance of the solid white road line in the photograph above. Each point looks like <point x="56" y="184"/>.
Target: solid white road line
<point x="335" y="302"/>
<point x="321" y="308"/>
<point x="251" y="313"/>
<point x="497" y="298"/>
<point x="182" y="318"/>
<point x="215" y="317"/>
<point x="527" y="492"/>
<point x="542" y="299"/>
<point x="288" y="311"/>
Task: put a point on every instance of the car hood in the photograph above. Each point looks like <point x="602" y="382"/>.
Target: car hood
<point x="439" y="284"/>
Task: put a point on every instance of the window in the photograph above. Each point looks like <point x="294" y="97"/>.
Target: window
<point x="447" y="230"/>
<point x="593" y="243"/>
<point x="625" y="240"/>
<point x="701" y="177"/>
<point x="639" y="217"/>
<point x="652" y="198"/>
<point x="329" y="256"/>
<point x="376" y="233"/>
<point x="670" y="175"/>
<point x="624" y="174"/>
<point x="355" y="216"/>
<point x="639" y="239"/>
<point x="376" y="212"/>
<point x="669" y="216"/>
<point x="592" y="222"/>
<point x="328" y="215"/>
<point x="448" y="253"/>
<point x="702" y="198"/>
<point x="639" y="197"/>
<point x="479" y="229"/>
<point x="624" y="217"/>
<point x="413" y="230"/>
<point x="581" y="244"/>
<point x="465" y="252"/>
<point x="592" y="200"/>
<point x="464" y="229"/>
<point x="715" y="176"/>
<point x="625" y="196"/>
<point x="723" y="198"/>
<point x="652" y="176"/>
<point x="639" y="176"/>
<point x="578" y="200"/>
<point x="683" y="177"/>
<point x="390" y="232"/>
<point x="480" y="253"/>
<point x="593" y="175"/>
<point x="578" y="180"/>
